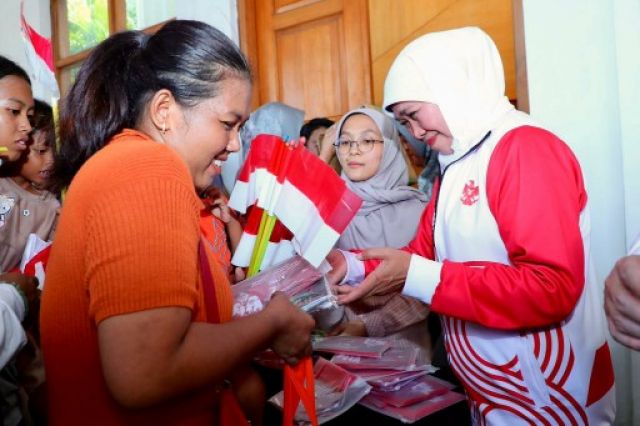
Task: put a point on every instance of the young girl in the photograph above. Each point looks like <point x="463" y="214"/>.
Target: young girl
<point x="221" y="229"/>
<point x="374" y="168"/>
<point x="16" y="108"/>
<point x="136" y="316"/>
<point x="28" y="207"/>
<point x="502" y="251"/>
<point x="313" y="132"/>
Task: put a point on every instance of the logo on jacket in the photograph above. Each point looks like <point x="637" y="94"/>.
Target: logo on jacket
<point x="470" y="193"/>
<point x="6" y="204"/>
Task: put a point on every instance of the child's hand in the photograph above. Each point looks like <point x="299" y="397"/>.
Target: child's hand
<point x="221" y="210"/>
<point x="239" y="274"/>
<point x="219" y="206"/>
<point x="327" y="150"/>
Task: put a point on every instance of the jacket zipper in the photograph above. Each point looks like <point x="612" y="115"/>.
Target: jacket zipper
<point x="435" y="211"/>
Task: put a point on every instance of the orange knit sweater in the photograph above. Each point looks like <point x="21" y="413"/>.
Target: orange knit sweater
<point x="127" y="241"/>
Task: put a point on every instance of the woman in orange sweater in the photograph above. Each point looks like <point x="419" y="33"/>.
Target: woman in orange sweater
<point x="136" y="317"/>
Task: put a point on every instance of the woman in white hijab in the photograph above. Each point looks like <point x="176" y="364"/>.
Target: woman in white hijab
<point x="502" y="251"/>
<point x="374" y="168"/>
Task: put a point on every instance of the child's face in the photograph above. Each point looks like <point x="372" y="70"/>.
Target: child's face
<point x="37" y="167"/>
<point x="358" y="163"/>
<point x="426" y="123"/>
<point x="315" y="140"/>
<point x="16" y="108"/>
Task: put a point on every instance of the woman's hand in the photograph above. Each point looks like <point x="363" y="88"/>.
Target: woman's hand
<point x="293" y="337"/>
<point x="327" y="150"/>
<point x="388" y="277"/>
<point x="622" y="301"/>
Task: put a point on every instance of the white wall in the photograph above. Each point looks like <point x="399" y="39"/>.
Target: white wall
<point x="222" y="14"/>
<point x="583" y="67"/>
<point x="627" y="30"/>
<point x="38" y="15"/>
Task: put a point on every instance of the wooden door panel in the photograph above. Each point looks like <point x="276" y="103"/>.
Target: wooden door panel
<point x="401" y="27"/>
<point x="312" y="54"/>
<point x="315" y="82"/>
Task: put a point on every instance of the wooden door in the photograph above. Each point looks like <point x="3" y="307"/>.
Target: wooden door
<point x="395" y="23"/>
<point x="310" y="54"/>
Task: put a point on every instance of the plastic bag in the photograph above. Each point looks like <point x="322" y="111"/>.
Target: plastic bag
<point x="302" y="282"/>
<point x="336" y="391"/>
<point x="389" y="380"/>
<point x="413" y="412"/>
<point x="392" y="359"/>
<point x="353" y="345"/>
<point x="413" y="391"/>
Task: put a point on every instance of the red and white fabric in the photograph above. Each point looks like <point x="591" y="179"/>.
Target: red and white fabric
<point x="521" y="309"/>
<point x="39" y="53"/>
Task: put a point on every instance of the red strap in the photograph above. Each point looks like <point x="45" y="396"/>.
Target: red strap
<point x="299" y="384"/>
<point x="210" y="299"/>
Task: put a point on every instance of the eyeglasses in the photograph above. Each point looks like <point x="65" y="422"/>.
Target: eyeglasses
<point x="343" y="146"/>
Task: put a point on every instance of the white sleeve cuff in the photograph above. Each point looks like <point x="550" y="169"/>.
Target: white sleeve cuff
<point x="12" y="298"/>
<point x="355" y="269"/>
<point x="422" y="279"/>
<point x="12" y="335"/>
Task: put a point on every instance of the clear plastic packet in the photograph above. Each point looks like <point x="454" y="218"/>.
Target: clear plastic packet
<point x="389" y="380"/>
<point x="391" y="359"/>
<point x="303" y="283"/>
<point x="315" y="298"/>
<point x="414" y="391"/>
<point x="414" y="412"/>
<point x="336" y="391"/>
<point x="368" y="347"/>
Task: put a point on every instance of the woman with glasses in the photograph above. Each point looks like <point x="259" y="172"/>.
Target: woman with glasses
<point x="373" y="167"/>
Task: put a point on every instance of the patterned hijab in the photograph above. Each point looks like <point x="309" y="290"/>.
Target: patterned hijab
<point x="391" y="210"/>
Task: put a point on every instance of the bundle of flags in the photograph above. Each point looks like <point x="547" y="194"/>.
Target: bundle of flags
<point x="298" y="204"/>
<point x="287" y="182"/>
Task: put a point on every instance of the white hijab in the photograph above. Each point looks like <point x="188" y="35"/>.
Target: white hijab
<point x="460" y="71"/>
<point x="391" y="210"/>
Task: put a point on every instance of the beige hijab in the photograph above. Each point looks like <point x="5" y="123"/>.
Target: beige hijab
<point x="460" y="71"/>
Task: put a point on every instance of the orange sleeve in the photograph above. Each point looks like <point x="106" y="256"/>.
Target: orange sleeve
<point x="142" y="247"/>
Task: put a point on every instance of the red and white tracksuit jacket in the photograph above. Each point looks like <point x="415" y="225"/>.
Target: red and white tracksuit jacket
<point x="522" y="313"/>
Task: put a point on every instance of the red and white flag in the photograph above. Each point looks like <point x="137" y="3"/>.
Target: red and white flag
<point x="304" y="193"/>
<point x="40" y="57"/>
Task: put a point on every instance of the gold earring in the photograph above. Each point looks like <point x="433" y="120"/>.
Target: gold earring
<point x="164" y="127"/>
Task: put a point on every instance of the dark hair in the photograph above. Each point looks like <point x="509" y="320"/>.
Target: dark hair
<point x="114" y="84"/>
<point x="43" y="121"/>
<point x="313" y="124"/>
<point x="8" y="67"/>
